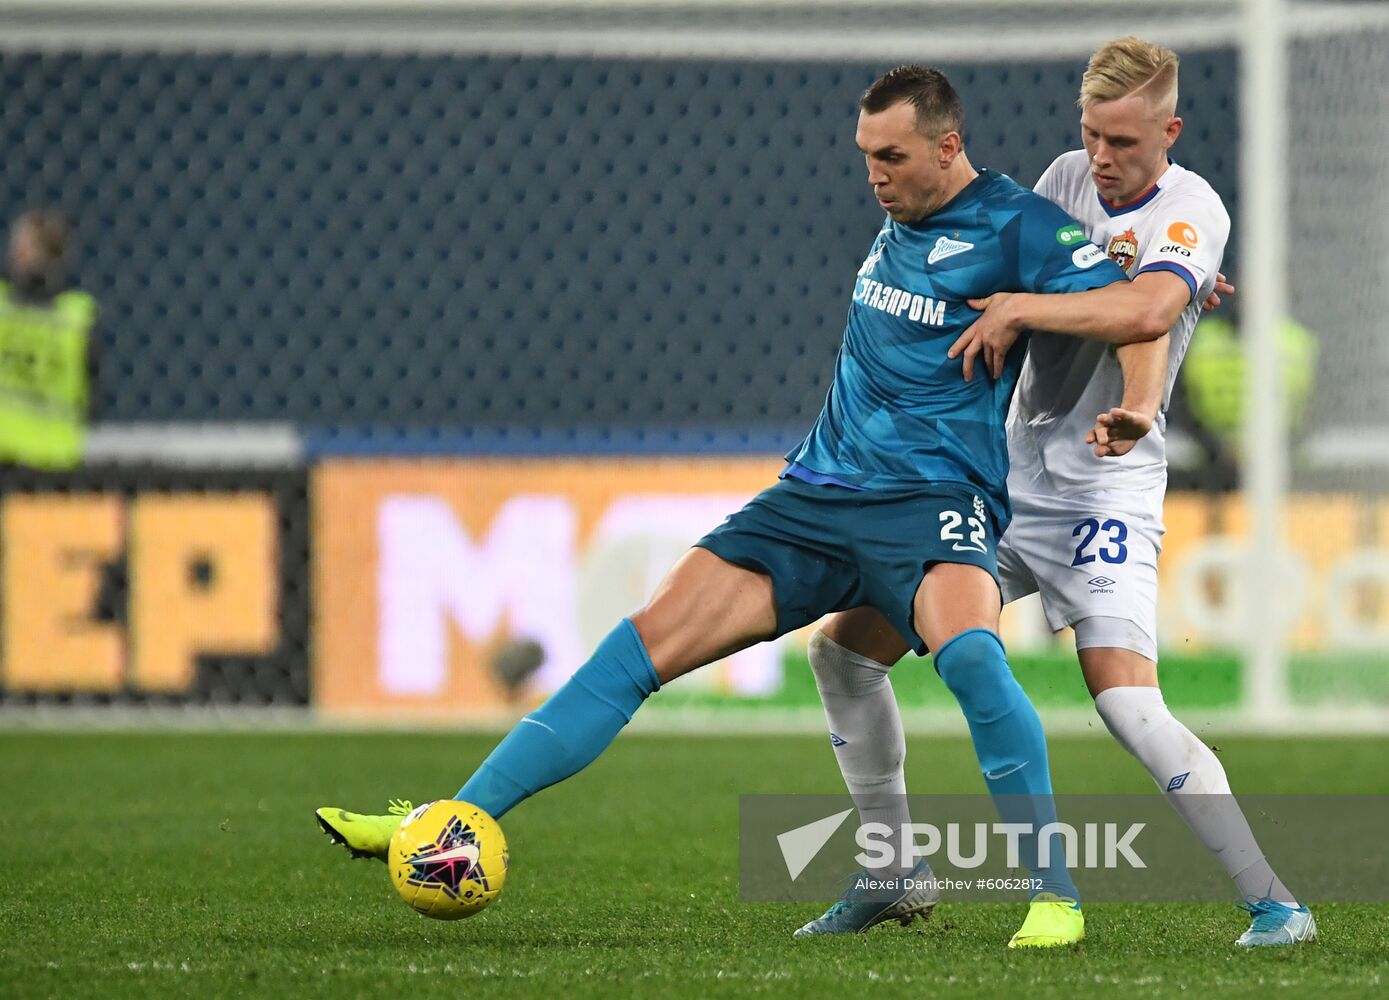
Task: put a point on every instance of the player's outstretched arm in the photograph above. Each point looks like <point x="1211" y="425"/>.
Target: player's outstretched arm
<point x="1145" y="377"/>
<point x="1126" y="312"/>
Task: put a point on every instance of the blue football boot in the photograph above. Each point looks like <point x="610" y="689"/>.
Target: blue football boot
<point x="1276" y="924"/>
<point x="865" y="904"/>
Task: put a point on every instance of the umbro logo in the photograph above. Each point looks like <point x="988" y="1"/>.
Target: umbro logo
<point x="946" y="247"/>
<point x="1178" y="781"/>
<point x="1100" y="581"/>
<point x="838" y="741"/>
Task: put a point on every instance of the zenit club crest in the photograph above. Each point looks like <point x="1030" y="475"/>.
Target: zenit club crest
<point x="453" y="859"/>
<point x="1123" y="249"/>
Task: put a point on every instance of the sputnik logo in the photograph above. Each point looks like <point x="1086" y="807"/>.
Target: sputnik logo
<point x="799" y="846"/>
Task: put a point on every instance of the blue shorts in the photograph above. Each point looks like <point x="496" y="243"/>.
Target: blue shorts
<point x="827" y="548"/>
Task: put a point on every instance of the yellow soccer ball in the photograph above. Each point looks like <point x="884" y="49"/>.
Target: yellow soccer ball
<point x="448" y="859"/>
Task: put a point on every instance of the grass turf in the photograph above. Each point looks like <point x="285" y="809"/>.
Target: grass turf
<point x="182" y="864"/>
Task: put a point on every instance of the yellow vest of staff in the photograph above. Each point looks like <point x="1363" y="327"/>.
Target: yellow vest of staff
<point x="43" y="379"/>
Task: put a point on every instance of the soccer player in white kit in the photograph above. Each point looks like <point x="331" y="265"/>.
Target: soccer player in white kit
<point x="1087" y="491"/>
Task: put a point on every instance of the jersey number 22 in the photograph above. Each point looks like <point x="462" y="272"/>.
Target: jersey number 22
<point x="952" y="521"/>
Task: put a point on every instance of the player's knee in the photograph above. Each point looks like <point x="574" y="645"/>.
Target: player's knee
<point x="1132" y="714"/>
<point x="866" y="632"/>
<point x="974" y="668"/>
<point x="839" y="670"/>
<point x="647" y="626"/>
<point x="820" y="651"/>
<point x="659" y="635"/>
<point x="984" y="696"/>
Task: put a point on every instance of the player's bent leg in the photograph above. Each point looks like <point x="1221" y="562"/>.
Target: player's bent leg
<point x="850" y="655"/>
<point x="705" y="609"/>
<point x="1190" y="776"/>
<point x="864" y="721"/>
<point x="956" y="611"/>
<point x="870" y="747"/>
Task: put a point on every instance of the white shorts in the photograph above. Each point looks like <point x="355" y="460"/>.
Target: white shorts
<point x="1087" y="560"/>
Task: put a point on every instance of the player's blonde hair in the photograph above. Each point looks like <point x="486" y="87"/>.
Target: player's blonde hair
<point x="1126" y="66"/>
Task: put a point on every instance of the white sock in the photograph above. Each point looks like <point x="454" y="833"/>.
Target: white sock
<point x="866" y="729"/>
<point x="1194" y="782"/>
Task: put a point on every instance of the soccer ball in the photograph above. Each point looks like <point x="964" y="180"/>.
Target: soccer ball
<point x="448" y="859"/>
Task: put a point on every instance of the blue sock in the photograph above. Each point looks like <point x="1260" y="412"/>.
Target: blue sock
<point x="1010" y="745"/>
<point x="569" y="731"/>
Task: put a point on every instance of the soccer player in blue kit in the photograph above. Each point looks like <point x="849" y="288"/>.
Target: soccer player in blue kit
<point x="903" y="441"/>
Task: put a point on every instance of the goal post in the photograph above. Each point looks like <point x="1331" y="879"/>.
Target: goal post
<point x="1263" y="176"/>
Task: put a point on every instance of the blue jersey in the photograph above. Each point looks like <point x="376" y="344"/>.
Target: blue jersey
<point x="899" y="412"/>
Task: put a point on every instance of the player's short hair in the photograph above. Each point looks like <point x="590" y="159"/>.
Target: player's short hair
<point x="938" y="108"/>
<point x="1126" y="66"/>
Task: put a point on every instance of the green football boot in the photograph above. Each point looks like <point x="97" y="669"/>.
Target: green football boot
<point x="363" y="836"/>
<point x="1052" y="921"/>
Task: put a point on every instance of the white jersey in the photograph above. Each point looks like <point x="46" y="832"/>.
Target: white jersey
<point x="1179" y="226"/>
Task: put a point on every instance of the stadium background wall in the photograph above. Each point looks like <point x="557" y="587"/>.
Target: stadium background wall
<point x="430" y="252"/>
<point x="309" y="258"/>
<point x="474" y="246"/>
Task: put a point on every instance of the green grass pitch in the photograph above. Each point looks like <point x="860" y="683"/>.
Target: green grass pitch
<point x="178" y="864"/>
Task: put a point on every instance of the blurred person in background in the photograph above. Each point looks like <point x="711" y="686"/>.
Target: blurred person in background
<point x="45" y="332"/>
<point x="1215" y="381"/>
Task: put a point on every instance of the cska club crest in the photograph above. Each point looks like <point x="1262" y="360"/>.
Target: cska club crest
<point x="1123" y="249"/>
